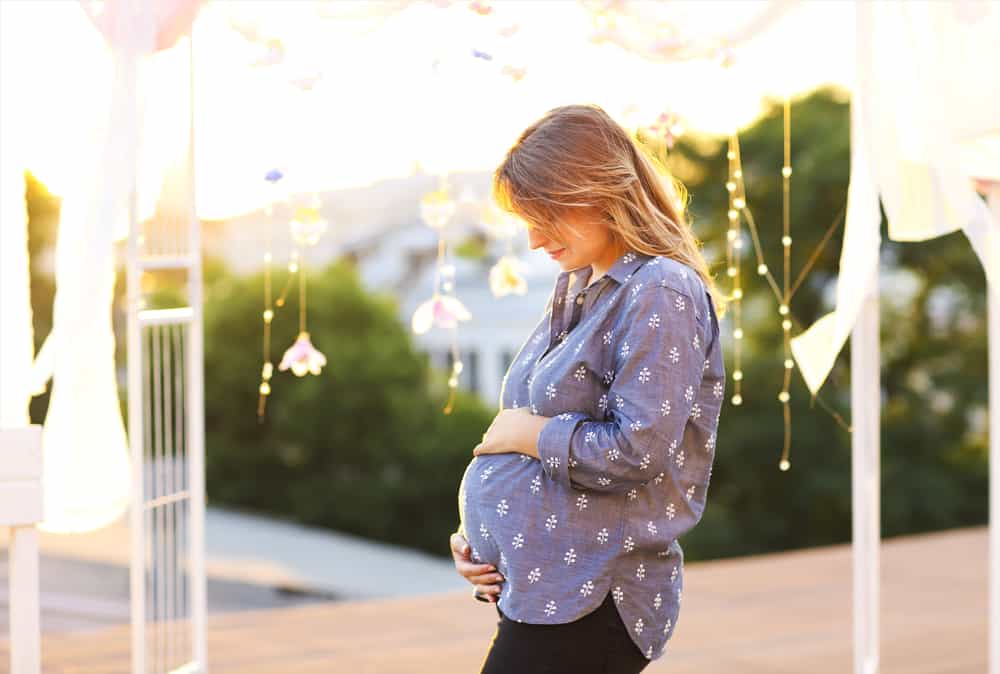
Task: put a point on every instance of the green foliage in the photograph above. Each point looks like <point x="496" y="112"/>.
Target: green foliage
<point x="473" y="247"/>
<point x="363" y="447"/>
<point x="933" y="468"/>
<point x="43" y="221"/>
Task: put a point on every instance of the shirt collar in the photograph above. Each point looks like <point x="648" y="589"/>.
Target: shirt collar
<point x="625" y="265"/>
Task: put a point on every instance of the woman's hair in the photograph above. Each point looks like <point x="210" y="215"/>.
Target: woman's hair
<point x="577" y="156"/>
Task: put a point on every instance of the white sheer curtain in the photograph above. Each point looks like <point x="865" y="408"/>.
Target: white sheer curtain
<point x="86" y="463"/>
<point x="922" y="105"/>
<point x="16" y="348"/>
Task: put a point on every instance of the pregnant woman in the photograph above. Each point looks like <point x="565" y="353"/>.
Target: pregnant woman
<point x="601" y="455"/>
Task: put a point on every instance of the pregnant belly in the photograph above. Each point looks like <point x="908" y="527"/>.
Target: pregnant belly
<point x="516" y="518"/>
<point x="508" y="504"/>
<point x="494" y="491"/>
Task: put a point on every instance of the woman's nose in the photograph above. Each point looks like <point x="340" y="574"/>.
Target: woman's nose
<point x="535" y="240"/>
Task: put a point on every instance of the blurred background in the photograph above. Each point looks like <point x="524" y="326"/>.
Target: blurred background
<point x="348" y="116"/>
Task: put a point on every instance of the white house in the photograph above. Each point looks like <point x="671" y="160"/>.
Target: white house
<point x="379" y="227"/>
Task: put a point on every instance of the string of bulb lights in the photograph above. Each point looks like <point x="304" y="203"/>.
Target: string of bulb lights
<point x="267" y="368"/>
<point x="739" y="210"/>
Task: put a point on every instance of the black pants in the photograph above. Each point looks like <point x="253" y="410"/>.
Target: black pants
<point x="597" y="643"/>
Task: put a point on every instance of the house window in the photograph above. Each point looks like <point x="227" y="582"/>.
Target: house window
<point x="469" y="377"/>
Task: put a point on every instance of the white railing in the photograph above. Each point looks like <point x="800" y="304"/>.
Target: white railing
<point x="166" y="438"/>
<point x="21" y="510"/>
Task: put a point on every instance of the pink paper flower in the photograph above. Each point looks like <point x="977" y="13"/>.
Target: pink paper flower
<point x="440" y="310"/>
<point x="667" y="126"/>
<point x="302" y="357"/>
<point x="481" y="8"/>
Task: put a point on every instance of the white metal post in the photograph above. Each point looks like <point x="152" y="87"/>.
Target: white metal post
<point x="136" y="435"/>
<point x="993" y="335"/>
<point x="25" y="625"/>
<point x="196" y="404"/>
<point x="865" y="480"/>
<point x="166" y="436"/>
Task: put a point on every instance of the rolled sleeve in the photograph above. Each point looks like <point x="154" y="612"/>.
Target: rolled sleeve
<point x="660" y="348"/>
<point x="554" y="441"/>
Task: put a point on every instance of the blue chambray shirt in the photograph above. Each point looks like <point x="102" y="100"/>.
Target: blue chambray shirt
<point x="631" y="371"/>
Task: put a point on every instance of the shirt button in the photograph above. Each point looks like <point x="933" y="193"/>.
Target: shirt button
<point x="579" y="300"/>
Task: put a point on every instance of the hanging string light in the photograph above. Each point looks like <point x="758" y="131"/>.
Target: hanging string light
<point x="443" y="309"/>
<point x="734" y="245"/>
<point x="738" y="210"/>
<point x="786" y="246"/>
<point x="267" y="368"/>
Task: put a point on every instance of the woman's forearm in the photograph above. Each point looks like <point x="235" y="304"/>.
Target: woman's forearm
<point x="513" y="430"/>
<point x="533" y="427"/>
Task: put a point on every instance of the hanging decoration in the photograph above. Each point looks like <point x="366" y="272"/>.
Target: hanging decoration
<point x="306" y="228"/>
<point x="739" y="209"/>
<point x="480" y="7"/>
<point x="437" y="208"/>
<point x="506" y="276"/>
<point x="267" y="368"/>
<point x="665" y="131"/>
<point x="515" y="71"/>
<point x="786" y="247"/>
<point x="640" y="29"/>
<point x="668" y="127"/>
<point x="737" y="206"/>
<point x="734" y="245"/>
<point x="443" y="309"/>
<point x="302" y="357"/>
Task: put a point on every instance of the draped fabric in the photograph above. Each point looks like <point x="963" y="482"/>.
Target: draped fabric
<point x="16" y="348"/>
<point x="86" y="476"/>
<point x="922" y="109"/>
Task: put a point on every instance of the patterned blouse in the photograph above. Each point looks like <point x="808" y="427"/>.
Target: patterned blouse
<point x="631" y="371"/>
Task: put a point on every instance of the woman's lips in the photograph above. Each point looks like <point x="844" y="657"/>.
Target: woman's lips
<point x="557" y="254"/>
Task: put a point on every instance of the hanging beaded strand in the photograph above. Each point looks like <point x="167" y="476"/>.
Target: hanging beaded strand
<point x="734" y="245"/>
<point x="786" y="246"/>
<point x="267" y="368"/>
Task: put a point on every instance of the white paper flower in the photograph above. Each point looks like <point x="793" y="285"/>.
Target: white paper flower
<point x="302" y="357"/>
<point x="437" y="208"/>
<point x="506" y="277"/>
<point x="499" y="223"/>
<point x="307" y="226"/>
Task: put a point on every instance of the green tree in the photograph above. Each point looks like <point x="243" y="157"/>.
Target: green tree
<point x="934" y="390"/>
<point x="363" y="447"/>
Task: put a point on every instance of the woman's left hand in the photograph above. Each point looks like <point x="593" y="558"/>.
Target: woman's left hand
<point x="513" y="430"/>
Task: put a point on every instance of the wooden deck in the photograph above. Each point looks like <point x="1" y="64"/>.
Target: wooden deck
<point x="787" y="613"/>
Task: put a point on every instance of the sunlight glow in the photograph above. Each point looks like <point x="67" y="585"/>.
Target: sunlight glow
<point x="377" y="105"/>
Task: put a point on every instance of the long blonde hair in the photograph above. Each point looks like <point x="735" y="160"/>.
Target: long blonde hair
<point x="577" y="156"/>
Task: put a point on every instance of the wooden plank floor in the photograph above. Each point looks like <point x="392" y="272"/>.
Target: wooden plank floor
<point x="786" y="613"/>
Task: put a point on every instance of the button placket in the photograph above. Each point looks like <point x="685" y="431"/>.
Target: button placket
<point x="556" y="318"/>
<point x="577" y="309"/>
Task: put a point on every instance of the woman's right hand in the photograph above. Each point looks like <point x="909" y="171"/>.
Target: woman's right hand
<point x="484" y="577"/>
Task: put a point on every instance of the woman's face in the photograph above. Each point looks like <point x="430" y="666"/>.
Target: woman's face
<point x="586" y="240"/>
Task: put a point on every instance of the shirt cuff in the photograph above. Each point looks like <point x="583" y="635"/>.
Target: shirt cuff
<point x="554" y="442"/>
